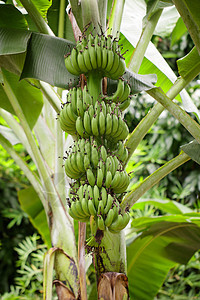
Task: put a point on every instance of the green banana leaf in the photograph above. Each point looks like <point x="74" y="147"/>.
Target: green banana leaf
<point x="179" y="30"/>
<point x="192" y="150"/>
<point x="29" y="97"/>
<point x="189" y="10"/>
<point x="163" y="243"/>
<point x="10" y="17"/>
<point x="45" y="61"/>
<point x="189" y="62"/>
<point x="32" y="205"/>
<point x="9" y="135"/>
<point x="166" y="205"/>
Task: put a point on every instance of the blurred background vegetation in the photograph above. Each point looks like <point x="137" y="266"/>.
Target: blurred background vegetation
<point x="21" y="247"/>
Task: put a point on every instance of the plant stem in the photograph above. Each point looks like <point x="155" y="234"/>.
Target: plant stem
<point x="32" y="177"/>
<point x="76" y="10"/>
<point x="145" y="38"/>
<point x="136" y="60"/>
<point x="142" y="128"/>
<point x="51" y="96"/>
<point x="38" y="157"/>
<point x="115" y="18"/>
<point x="36" y="17"/>
<point x="61" y="24"/>
<point x="81" y="259"/>
<point x="94" y="85"/>
<point x="90" y="14"/>
<point x="185" y="9"/>
<point x="191" y="125"/>
<point x="112" y="257"/>
<point x="102" y="4"/>
<point x="145" y="124"/>
<point x="154" y="178"/>
<point x="17" y="129"/>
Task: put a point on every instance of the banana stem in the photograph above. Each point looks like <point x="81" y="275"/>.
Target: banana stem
<point x="113" y="256"/>
<point x="90" y="14"/>
<point x="191" y="125"/>
<point x="115" y="18"/>
<point x="36" y="17"/>
<point x="154" y="178"/>
<point x="61" y="24"/>
<point x="145" y="38"/>
<point x="94" y="84"/>
<point x="81" y="260"/>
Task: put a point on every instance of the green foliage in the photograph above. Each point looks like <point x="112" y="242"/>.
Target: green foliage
<point x="182" y="282"/>
<point x="14" y="223"/>
<point x="28" y="282"/>
<point x="161" y="144"/>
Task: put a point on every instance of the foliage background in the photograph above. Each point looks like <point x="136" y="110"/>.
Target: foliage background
<point x="161" y="144"/>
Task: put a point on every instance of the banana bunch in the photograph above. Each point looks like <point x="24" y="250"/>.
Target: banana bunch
<point x="79" y="116"/>
<point x="86" y="202"/>
<point x="96" y="53"/>
<point x="95" y="161"/>
<point x="93" y="164"/>
<point x="121" y="95"/>
<point x="99" y="122"/>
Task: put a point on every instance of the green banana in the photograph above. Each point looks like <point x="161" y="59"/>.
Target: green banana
<point x="86" y="57"/>
<point x="74" y="55"/>
<point x="85" y="208"/>
<point x="90" y="177"/>
<point x="87" y="123"/>
<point x="108" y="204"/>
<point x="94" y="156"/>
<point x="102" y="123"/>
<point x="115" y="180"/>
<point x="104" y="53"/>
<point x="79" y="161"/>
<point x="70" y="67"/>
<point x="86" y="162"/>
<point x="96" y="195"/>
<point x="91" y="208"/>
<point x="108" y="179"/>
<point x="110" y="61"/>
<point x="99" y="178"/>
<point x="80" y="127"/>
<point x="109" y="218"/>
<point x="120" y="71"/>
<point x="125" y="104"/>
<point x="81" y="62"/>
<point x="109" y="125"/>
<point x="92" y="54"/>
<point x="118" y="93"/>
<point x="103" y="153"/>
<point x="94" y="125"/>
<point x="100" y="223"/>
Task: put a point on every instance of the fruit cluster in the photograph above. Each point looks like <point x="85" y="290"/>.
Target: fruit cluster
<point x="80" y="115"/>
<point x="96" y="53"/>
<point x="95" y="161"/>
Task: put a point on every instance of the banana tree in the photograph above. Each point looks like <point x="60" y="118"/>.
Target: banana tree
<point x="83" y="49"/>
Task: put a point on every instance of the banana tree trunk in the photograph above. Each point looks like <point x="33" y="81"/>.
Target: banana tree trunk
<point x="110" y="264"/>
